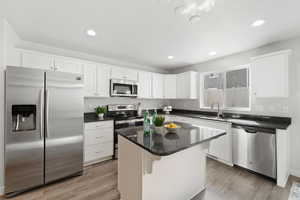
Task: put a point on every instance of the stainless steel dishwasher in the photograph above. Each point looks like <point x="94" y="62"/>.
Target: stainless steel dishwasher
<point x="258" y="148"/>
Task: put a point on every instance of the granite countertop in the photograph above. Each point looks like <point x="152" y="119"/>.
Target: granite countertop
<point x="92" y="117"/>
<point x="164" y="143"/>
<point x="242" y="120"/>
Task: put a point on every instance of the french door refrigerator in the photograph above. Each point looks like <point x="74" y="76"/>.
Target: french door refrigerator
<point x="44" y="127"/>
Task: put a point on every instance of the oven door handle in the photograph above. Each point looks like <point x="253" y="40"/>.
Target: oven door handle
<point x="129" y="121"/>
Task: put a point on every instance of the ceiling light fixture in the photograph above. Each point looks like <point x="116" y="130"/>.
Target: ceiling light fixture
<point x="213" y="53"/>
<point x="192" y="9"/>
<point x="170" y="57"/>
<point x="257" y="23"/>
<point x="91" y="33"/>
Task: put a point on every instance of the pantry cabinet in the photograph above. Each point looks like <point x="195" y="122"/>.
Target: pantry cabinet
<point x="269" y="75"/>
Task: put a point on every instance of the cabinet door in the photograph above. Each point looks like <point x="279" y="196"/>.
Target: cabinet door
<point x="269" y="75"/>
<point x="239" y="147"/>
<point x="124" y="73"/>
<point x="158" y="85"/>
<point x="220" y="148"/>
<point x="170" y="85"/>
<point x="90" y="79"/>
<point x="187" y="85"/>
<point x="67" y="65"/>
<point x="103" y="80"/>
<point x="145" y="85"/>
<point x="37" y="60"/>
<point x="182" y="91"/>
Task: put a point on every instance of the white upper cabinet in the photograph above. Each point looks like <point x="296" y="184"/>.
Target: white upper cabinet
<point x="187" y="85"/>
<point x="96" y="80"/>
<point x="63" y="64"/>
<point x="158" y="85"/>
<point x="90" y="79"/>
<point x="170" y="86"/>
<point x="124" y="73"/>
<point x="36" y="60"/>
<point x="103" y="80"/>
<point x="269" y="75"/>
<point x="145" y="84"/>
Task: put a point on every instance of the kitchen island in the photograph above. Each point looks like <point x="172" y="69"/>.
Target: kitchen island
<point x="163" y="165"/>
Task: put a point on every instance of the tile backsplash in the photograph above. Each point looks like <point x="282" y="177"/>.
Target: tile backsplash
<point x="91" y="103"/>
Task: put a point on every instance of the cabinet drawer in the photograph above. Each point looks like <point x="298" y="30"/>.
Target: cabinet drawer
<point x="97" y="136"/>
<point x="98" y="151"/>
<point x="99" y="125"/>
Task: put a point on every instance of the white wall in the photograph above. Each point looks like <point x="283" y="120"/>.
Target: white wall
<point x="266" y="106"/>
<point x="2" y="48"/>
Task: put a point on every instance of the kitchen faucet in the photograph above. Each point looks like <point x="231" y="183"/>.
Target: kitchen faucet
<point x="220" y="112"/>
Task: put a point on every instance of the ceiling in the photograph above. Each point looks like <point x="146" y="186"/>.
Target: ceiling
<point x="148" y="31"/>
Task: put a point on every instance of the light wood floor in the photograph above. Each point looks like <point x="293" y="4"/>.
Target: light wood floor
<point x="223" y="183"/>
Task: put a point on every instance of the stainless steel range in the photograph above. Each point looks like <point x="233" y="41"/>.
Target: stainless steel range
<point x="125" y="116"/>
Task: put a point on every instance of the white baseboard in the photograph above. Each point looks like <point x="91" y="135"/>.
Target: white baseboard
<point x="295" y="172"/>
<point x="1" y="190"/>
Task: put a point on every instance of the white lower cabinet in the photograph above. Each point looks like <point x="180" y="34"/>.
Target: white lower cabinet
<point x="98" y="141"/>
<point x="220" y="148"/>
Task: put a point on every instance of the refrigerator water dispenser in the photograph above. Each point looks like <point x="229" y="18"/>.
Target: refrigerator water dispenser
<point x="23" y="118"/>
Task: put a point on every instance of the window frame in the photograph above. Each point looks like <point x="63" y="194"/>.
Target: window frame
<point x="202" y="89"/>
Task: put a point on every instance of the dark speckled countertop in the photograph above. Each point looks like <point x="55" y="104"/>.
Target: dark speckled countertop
<point x="163" y="143"/>
<point x="92" y="117"/>
<point x="271" y="122"/>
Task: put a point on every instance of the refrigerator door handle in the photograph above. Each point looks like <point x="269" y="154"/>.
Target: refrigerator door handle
<point x="47" y="113"/>
<point x="41" y="112"/>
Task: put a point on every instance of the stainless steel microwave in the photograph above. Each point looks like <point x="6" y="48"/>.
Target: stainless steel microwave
<point x="123" y="88"/>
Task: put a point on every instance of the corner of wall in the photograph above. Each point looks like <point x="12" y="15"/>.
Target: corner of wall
<point x="2" y="64"/>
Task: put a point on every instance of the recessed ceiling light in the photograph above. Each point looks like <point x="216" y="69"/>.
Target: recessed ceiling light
<point x="170" y="57"/>
<point x="257" y="23"/>
<point x="91" y="32"/>
<point x="213" y="53"/>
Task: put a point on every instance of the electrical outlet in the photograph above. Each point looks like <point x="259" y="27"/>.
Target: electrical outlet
<point x="91" y="107"/>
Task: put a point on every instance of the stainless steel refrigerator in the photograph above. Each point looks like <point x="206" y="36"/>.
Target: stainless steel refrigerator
<point x="44" y="127"/>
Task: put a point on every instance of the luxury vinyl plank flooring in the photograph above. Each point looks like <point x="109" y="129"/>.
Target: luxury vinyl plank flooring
<point x="99" y="182"/>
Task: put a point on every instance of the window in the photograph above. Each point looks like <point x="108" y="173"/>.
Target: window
<point x="229" y="89"/>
